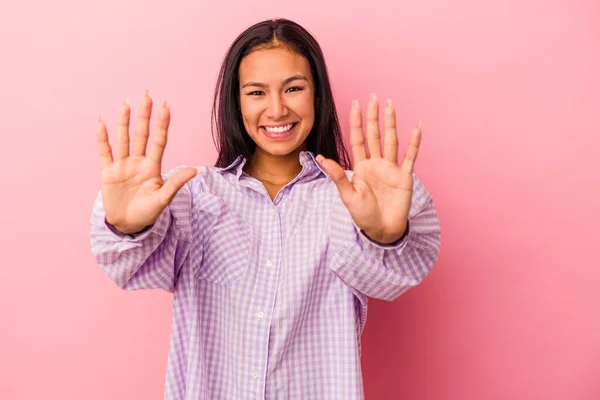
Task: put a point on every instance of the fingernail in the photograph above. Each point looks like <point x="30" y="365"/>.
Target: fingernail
<point x="165" y="104"/>
<point x="389" y="102"/>
<point x="99" y="119"/>
<point x="126" y="101"/>
<point x="149" y="92"/>
<point x="419" y="125"/>
<point x="355" y="103"/>
<point x="319" y="158"/>
<point x="373" y="96"/>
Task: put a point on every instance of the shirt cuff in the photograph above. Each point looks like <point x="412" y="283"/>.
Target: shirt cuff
<point x="160" y="226"/>
<point x="386" y="246"/>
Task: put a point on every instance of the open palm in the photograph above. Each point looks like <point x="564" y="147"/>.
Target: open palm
<point x="133" y="191"/>
<point x="380" y="193"/>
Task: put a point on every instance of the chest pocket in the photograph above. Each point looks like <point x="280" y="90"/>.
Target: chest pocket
<point x="226" y="249"/>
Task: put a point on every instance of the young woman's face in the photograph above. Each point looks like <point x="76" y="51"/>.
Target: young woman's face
<point x="277" y="100"/>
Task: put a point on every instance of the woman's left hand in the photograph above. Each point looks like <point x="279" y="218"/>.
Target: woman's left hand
<point x="380" y="193"/>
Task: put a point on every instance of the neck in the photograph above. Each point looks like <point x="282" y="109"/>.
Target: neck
<point x="277" y="170"/>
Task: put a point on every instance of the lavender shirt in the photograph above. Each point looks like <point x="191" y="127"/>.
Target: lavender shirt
<point x="270" y="297"/>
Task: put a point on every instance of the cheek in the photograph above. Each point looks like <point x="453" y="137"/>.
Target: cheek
<point x="249" y="114"/>
<point x="305" y="108"/>
<point x="308" y="112"/>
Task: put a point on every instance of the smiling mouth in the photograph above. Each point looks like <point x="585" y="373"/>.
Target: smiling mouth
<point x="280" y="129"/>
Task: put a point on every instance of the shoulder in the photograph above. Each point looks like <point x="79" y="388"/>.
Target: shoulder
<point x="205" y="181"/>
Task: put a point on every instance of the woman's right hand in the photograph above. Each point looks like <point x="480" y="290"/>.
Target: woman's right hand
<point x="133" y="191"/>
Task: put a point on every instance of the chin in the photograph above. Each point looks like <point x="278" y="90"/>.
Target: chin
<point x="279" y="149"/>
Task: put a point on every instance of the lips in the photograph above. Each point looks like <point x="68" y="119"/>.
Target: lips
<point x="279" y="129"/>
<point x="279" y="132"/>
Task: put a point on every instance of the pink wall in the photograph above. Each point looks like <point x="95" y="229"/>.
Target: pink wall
<point x="508" y="92"/>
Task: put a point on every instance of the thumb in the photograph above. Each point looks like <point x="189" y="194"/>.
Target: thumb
<point x="176" y="182"/>
<point x="337" y="174"/>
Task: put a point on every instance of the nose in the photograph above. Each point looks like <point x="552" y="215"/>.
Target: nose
<point x="276" y="108"/>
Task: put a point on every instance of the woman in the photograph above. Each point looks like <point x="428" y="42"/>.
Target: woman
<point x="272" y="253"/>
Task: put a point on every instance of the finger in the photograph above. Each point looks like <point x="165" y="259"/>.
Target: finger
<point x="410" y="156"/>
<point x="104" y="150"/>
<point x="373" y="136"/>
<point x="357" y="139"/>
<point x="175" y="182"/>
<point x="337" y="174"/>
<point x="159" y="138"/>
<point x="391" y="136"/>
<point x="123" y="131"/>
<point x="142" y="128"/>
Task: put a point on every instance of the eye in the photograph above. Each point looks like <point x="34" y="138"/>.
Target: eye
<point x="256" y="93"/>
<point x="294" y="89"/>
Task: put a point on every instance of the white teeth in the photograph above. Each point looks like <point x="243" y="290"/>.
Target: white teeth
<point x="280" y="129"/>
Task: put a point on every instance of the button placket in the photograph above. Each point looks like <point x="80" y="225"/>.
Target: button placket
<point x="263" y="305"/>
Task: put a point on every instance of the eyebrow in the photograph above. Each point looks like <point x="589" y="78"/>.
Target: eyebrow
<point x="285" y="82"/>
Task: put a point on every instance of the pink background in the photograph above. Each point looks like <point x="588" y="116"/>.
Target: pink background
<point x="508" y="92"/>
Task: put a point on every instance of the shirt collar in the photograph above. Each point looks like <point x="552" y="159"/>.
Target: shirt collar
<point x="307" y="160"/>
<point x="235" y="167"/>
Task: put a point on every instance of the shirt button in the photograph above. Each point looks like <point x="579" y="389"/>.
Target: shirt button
<point x="273" y="214"/>
<point x="260" y="314"/>
<point x="255" y="374"/>
<point x="269" y="264"/>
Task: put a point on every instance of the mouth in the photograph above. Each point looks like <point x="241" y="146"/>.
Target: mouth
<point x="279" y="132"/>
